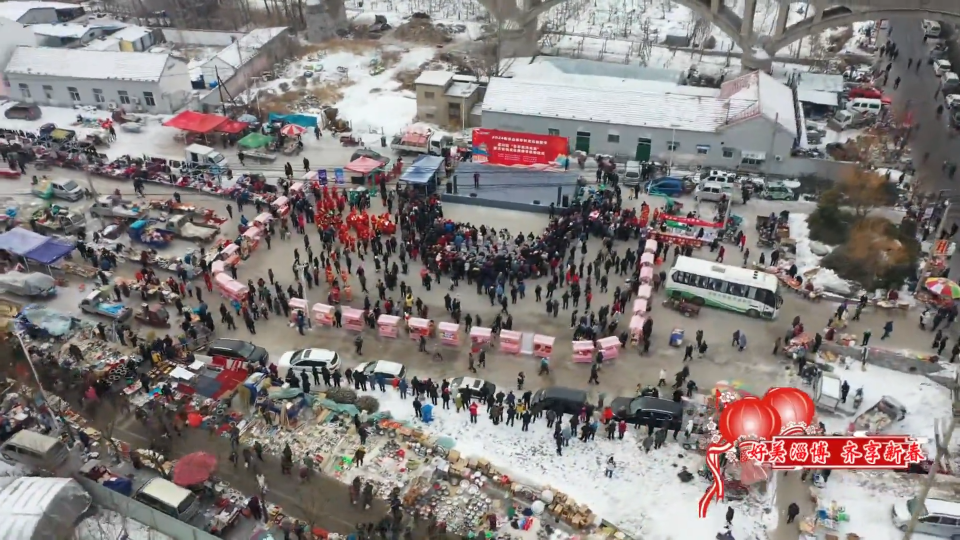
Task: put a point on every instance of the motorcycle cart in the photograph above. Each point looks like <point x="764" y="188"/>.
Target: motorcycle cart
<point x="153" y="315"/>
<point x="687" y="309"/>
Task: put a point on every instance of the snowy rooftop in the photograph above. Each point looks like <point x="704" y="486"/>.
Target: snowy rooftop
<point x="461" y="90"/>
<point x="15" y="10"/>
<point x="107" y="44"/>
<point x="772" y="99"/>
<point x="821" y="82"/>
<point x="634" y="103"/>
<point x="65" y="30"/>
<point x="87" y="64"/>
<point x="434" y="78"/>
<point x="559" y="69"/>
<point x="245" y="48"/>
<point x="131" y="33"/>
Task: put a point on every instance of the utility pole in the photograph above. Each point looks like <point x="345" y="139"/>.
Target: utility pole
<point x="942" y="452"/>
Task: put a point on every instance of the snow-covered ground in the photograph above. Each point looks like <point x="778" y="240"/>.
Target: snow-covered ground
<point x="924" y="399"/>
<point x="373" y="103"/>
<point x="110" y="525"/>
<point x="868" y="497"/>
<point x="644" y="489"/>
<point x="806" y="260"/>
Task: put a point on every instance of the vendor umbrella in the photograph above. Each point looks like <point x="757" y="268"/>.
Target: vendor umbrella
<point x="194" y="469"/>
<point x="292" y="130"/>
<point x="943" y="287"/>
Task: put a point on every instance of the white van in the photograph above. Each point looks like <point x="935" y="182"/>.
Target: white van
<point x="714" y="191"/>
<point x="865" y="105"/>
<point x="169" y="498"/>
<point x="931" y="29"/>
<point x="40" y="452"/>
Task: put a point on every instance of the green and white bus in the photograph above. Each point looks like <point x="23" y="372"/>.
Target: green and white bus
<point x="751" y="292"/>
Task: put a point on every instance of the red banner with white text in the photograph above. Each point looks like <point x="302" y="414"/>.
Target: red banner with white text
<point x="512" y="148"/>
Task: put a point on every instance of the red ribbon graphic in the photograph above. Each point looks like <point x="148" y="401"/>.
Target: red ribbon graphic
<point x="713" y="463"/>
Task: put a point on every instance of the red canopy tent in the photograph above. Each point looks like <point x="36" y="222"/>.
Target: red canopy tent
<point x="363" y="165"/>
<point x="196" y="122"/>
<point x="232" y="127"/>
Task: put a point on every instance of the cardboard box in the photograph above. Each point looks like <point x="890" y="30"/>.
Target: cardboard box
<point x="453" y="456"/>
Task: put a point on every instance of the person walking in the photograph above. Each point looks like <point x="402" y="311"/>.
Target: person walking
<point x="792" y="512"/>
<point x="887" y="330"/>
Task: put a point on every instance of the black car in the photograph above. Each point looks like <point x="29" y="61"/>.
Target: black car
<point x="23" y="111"/>
<point x="474" y="388"/>
<point x="235" y="349"/>
<point x="559" y="399"/>
<point x="647" y="410"/>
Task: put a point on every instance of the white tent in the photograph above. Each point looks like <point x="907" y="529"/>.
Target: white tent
<point x="34" y="508"/>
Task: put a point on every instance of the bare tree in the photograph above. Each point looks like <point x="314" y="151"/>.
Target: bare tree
<point x="645" y="45"/>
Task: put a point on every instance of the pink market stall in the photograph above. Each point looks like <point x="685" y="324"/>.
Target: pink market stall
<point x="510" y="341"/>
<point x="388" y="326"/>
<point x="583" y="352"/>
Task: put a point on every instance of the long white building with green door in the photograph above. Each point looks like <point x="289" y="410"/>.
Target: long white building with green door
<point x="748" y="123"/>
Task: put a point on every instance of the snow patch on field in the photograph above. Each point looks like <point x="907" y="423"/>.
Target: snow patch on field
<point x="644" y="489"/>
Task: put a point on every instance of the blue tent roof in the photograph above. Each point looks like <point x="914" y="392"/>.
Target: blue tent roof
<point x="50" y="251"/>
<point x="20" y="241"/>
<point x="422" y="169"/>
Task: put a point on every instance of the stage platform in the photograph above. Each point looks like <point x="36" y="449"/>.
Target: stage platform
<point x="512" y="188"/>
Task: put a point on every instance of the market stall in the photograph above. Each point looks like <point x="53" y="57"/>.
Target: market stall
<point x="388" y="325"/>
<point x="645" y="291"/>
<point x="636" y="329"/>
<point x="479" y="336"/>
<point x="297" y="304"/>
<point x="323" y="314"/>
<point x="230" y="254"/>
<point x="610" y="346"/>
<point x="263" y="220"/>
<point x="363" y="170"/>
<point x="640" y="306"/>
<point x="352" y="319"/>
<point x="449" y="333"/>
<point x="510" y="341"/>
<point x="583" y="352"/>
<point x="543" y="346"/>
<point x="418" y="327"/>
<point x="647" y="259"/>
<point x="646" y="275"/>
<point x="230" y="288"/>
<point x="650" y="247"/>
<point x="281" y="205"/>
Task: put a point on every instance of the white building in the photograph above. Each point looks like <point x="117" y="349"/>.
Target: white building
<point x="66" y="34"/>
<point x="748" y="122"/>
<point x="37" y="12"/>
<point x="12" y="35"/>
<point x="157" y="83"/>
<point x="239" y="53"/>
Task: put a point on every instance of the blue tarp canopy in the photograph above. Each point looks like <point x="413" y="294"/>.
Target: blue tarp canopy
<point x="301" y="120"/>
<point x="50" y="251"/>
<point x="422" y="169"/>
<point x="20" y="241"/>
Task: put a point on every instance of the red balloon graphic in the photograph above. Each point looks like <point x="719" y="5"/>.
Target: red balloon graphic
<point x="793" y="405"/>
<point x="748" y="417"/>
